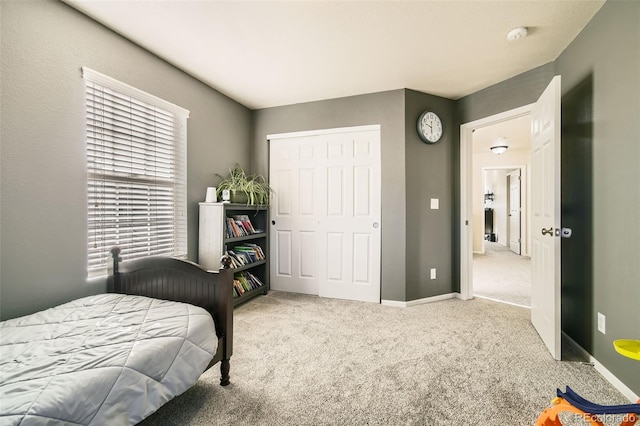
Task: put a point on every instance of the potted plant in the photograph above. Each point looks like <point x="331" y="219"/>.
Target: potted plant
<point x="243" y="188"/>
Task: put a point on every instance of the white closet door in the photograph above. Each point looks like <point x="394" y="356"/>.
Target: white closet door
<point x="294" y="212"/>
<point x="326" y="236"/>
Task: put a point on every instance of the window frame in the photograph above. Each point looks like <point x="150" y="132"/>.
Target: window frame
<point x="136" y="148"/>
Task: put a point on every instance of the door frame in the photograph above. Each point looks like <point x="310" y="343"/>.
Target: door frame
<point x="341" y="130"/>
<point x="319" y="132"/>
<point x="466" y="191"/>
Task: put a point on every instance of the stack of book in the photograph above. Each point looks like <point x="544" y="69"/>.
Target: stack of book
<point x="243" y="282"/>
<point x="239" y="226"/>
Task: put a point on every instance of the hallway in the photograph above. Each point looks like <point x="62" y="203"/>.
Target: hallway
<point x="502" y="275"/>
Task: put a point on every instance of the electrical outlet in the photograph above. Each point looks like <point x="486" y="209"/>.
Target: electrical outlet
<point x="602" y="326"/>
<point x="433" y="273"/>
<point x="435" y="203"/>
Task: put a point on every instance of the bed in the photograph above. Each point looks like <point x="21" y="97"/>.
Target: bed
<point x="115" y="358"/>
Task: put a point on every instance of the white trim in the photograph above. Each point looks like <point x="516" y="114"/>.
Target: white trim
<point x="608" y="375"/>
<point x="393" y="303"/>
<point x="323" y="132"/>
<point x="502" y="301"/>
<point x="466" y="205"/>
<point x="398" y="304"/>
<point x="105" y="80"/>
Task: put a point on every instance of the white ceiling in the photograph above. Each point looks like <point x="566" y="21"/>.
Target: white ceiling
<point x="271" y="53"/>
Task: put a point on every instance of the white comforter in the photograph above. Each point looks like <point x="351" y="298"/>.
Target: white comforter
<point x="107" y="359"/>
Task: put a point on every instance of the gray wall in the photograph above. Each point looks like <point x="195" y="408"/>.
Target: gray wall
<point x="429" y="174"/>
<point x="577" y="213"/>
<point x="386" y="109"/>
<point x="522" y="89"/>
<point x="609" y="49"/>
<point x="43" y="162"/>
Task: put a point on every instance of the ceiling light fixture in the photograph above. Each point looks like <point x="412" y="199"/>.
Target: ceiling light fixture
<point x="517" y="33"/>
<point x="500" y="147"/>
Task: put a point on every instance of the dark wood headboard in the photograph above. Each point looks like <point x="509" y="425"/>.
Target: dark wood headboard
<point x="182" y="281"/>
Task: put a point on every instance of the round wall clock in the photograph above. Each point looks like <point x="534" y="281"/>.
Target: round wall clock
<point x="429" y="127"/>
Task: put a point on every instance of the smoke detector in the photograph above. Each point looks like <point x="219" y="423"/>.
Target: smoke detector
<point x="517" y="33"/>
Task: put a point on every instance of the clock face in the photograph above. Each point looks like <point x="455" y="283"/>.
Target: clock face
<point x="429" y="127"/>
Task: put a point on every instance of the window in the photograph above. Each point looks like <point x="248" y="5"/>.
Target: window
<point x="136" y="173"/>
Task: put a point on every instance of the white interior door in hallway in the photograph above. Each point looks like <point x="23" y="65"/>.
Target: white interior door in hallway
<point x="514" y="211"/>
<point x="325" y="232"/>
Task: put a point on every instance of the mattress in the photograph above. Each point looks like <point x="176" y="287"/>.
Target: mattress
<point x="106" y="359"/>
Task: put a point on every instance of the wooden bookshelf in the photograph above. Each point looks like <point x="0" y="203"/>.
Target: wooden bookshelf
<point x="215" y="241"/>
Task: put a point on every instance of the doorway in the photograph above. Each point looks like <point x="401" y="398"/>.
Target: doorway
<point x="501" y="262"/>
<point x="476" y="157"/>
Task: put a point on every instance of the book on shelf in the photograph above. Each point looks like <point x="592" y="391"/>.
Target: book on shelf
<point x="233" y="230"/>
<point x="245" y="254"/>
<point x="244" y="220"/>
<point x="245" y="281"/>
<point x="240" y="226"/>
<point x="236" y="261"/>
<point x="252" y="250"/>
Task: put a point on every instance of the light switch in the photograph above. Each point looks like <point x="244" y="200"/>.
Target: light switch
<point x="435" y="204"/>
<point x="433" y="273"/>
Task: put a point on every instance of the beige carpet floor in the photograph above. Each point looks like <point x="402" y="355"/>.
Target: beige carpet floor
<point x="502" y="275"/>
<point x="304" y="360"/>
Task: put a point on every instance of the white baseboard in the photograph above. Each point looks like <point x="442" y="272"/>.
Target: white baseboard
<point x="398" y="304"/>
<point x="608" y="375"/>
<point x="502" y="301"/>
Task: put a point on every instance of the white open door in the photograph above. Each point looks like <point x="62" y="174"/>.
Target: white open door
<point x="325" y="232"/>
<point x="545" y="209"/>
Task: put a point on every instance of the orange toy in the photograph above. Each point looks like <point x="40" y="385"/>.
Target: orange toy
<point x="549" y="416"/>
<point x="571" y="402"/>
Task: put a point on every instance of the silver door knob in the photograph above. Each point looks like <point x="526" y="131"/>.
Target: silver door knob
<point x="375" y="224"/>
<point x="548" y="232"/>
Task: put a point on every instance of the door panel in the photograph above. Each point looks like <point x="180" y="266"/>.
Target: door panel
<point x="545" y="260"/>
<point x="331" y="210"/>
<point x="335" y="254"/>
<point x="361" y="255"/>
<point x="305" y="191"/>
<point x="362" y="191"/>
<point x="307" y="254"/>
<point x="335" y="196"/>
<point x="283" y="255"/>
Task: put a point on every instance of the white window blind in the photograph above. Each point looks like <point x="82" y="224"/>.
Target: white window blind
<point x="136" y="164"/>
